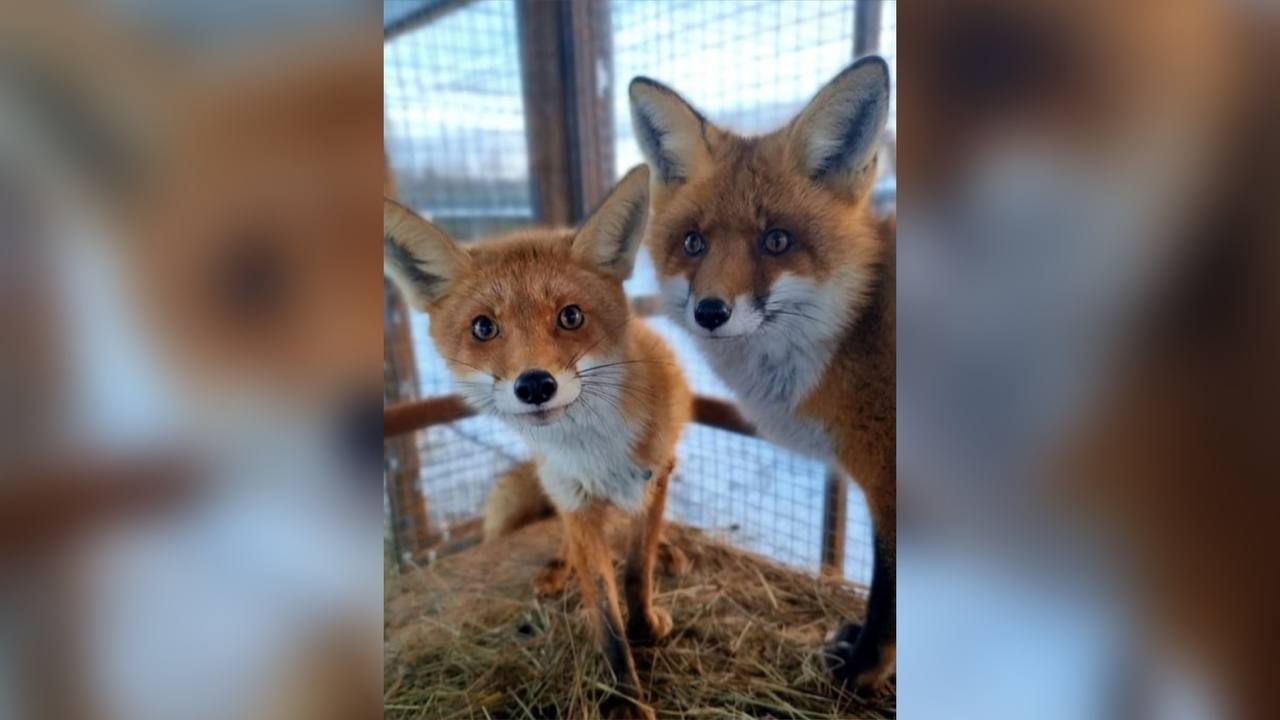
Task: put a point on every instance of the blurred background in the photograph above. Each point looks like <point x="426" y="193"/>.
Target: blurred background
<point x="190" y="426"/>
<point x="1087" y="254"/>
<point x="503" y="114"/>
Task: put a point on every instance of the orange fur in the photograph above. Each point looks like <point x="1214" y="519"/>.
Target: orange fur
<point x="523" y="283"/>
<point x="731" y="192"/>
<point x="841" y="237"/>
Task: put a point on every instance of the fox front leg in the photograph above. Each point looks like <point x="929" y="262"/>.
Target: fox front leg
<point x="646" y="622"/>
<point x="593" y="564"/>
<point x="862" y="657"/>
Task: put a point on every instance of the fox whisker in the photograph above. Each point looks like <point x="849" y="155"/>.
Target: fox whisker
<point x="636" y="392"/>
<point x="596" y="368"/>
<point x="473" y="367"/>
<point x="610" y="333"/>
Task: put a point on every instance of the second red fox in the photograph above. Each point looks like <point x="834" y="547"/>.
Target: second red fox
<point x="771" y="256"/>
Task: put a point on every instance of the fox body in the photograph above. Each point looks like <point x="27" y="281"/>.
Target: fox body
<point x="769" y="254"/>
<point x="536" y="329"/>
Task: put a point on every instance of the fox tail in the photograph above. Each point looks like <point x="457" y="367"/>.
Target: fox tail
<point x="515" y="501"/>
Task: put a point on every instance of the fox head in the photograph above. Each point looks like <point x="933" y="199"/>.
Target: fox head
<point x="770" y="234"/>
<point x="522" y="320"/>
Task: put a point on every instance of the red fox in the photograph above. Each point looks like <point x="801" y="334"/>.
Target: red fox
<point x="537" y="330"/>
<point x="769" y="254"/>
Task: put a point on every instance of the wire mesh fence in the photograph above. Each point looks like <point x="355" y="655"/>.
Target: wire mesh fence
<point x="748" y="66"/>
<point x="888" y="49"/>
<point x="457" y="148"/>
<point x="455" y="121"/>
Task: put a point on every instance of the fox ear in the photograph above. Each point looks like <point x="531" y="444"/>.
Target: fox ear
<point x="834" y="140"/>
<point x="418" y="256"/>
<point x="610" y="238"/>
<point x="673" y="136"/>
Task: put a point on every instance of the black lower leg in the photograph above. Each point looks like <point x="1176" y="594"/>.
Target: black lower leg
<point x="856" y="648"/>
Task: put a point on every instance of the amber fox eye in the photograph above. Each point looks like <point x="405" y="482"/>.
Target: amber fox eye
<point x="694" y="244"/>
<point x="571" y="317"/>
<point x="776" y="241"/>
<point x="484" y="328"/>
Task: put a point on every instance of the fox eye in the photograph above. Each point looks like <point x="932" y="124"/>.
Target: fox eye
<point x="694" y="244"/>
<point x="484" y="328"/>
<point x="776" y="241"/>
<point x="571" y="317"/>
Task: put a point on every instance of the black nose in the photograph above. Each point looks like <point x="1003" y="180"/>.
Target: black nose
<point x="535" y="387"/>
<point x="711" y="313"/>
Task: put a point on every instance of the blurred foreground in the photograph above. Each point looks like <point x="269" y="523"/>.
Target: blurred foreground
<point x="190" y="437"/>
<point x="1088" y="397"/>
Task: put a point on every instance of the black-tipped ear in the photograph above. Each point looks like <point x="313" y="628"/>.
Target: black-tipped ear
<point x="610" y="238"/>
<point x="673" y="136"/>
<point x="418" y="256"/>
<point x="834" y="139"/>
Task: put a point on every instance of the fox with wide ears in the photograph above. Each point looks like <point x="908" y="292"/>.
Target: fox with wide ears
<point x="537" y="331"/>
<point x="769" y="253"/>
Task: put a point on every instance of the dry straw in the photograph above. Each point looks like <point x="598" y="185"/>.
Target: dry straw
<point x="466" y="638"/>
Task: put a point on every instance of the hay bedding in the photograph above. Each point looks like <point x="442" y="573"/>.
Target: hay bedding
<point x="467" y="638"/>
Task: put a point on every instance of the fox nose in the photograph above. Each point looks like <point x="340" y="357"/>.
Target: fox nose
<point x="711" y="313"/>
<point x="535" y="387"/>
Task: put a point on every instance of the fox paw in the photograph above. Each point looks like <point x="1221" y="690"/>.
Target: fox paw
<point x="657" y="626"/>
<point x="551" y="579"/>
<point x="863" y="671"/>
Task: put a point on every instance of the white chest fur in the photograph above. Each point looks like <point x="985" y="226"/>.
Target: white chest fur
<point x="775" y="367"/>
<point x="770" y="380"/>
<point x="586" y="455"/>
